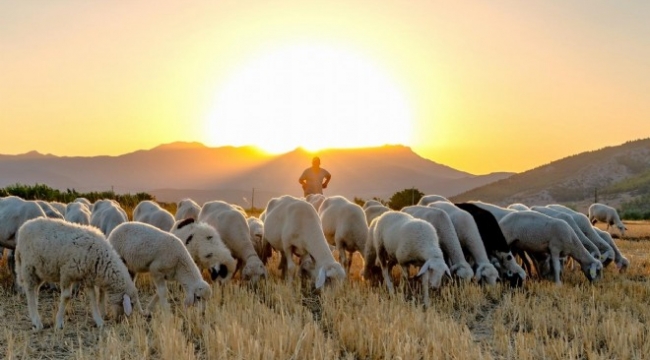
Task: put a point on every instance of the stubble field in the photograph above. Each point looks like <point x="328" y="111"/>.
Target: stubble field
<point x="278" y="320"/>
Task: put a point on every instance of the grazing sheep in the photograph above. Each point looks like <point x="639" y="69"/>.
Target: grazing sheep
<point x="495" y="243"/>
<point x="316" y="200"/>
<point x="78" y="213"/>
<point x="588" y="244"/>
<point x="400" y="239"/>
<point x="470" y="240"/>
<point x="537" y="233"/>
<point x="106" y="215"/>
<point x="622" y="263"/>
<point x="151" y="213"/>
<point x="59" y="206"/>
<point x="53" y="250"/>
<point x="606" y="251"/>
<point x="206" y="248"/>
<point x="447" y="238"/>
<point x="230" y="223"/>
<point x="497" y="211"/>
<point x="256" y="231"/>
<point x="187" y="209"/>
<point x="374" y="211"/>
<point x="147" y="249"/>
<point x="344" y="225"/>
<point x="518" y="207"/>
<point x="428" y="199"/>
<point x="370" y="203"/>
<point x="608" y="215"/>
<point x="292" y="226"/>
<point x="49" y="210"/>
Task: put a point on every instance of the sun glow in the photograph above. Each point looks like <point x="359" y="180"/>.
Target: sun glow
<point x="310" y="96"/>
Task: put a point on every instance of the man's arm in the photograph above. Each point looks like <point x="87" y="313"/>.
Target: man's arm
<point x="328" y="177"/>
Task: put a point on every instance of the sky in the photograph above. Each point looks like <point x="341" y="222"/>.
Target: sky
<point x="481" y="86"/>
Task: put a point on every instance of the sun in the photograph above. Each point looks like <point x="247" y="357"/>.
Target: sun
<point x="309" y="96"/>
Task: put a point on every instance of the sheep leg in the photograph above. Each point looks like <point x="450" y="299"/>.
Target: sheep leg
<point x="555" y="258"/>
<point x="382" y="258"/>
<point x="161" y="293"/>
<point x="31" y="291"/>
<point x="425" y="288"/>
<point x="66" y="293"/>
<point x="101" y="300"/>
<point x="291" y="266"/>
<point x="343" y="258"/>
<point x="94" y="306"/>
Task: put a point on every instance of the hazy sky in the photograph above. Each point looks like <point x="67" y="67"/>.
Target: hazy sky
<point x="477" y="85"/>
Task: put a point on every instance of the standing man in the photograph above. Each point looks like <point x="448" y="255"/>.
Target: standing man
<point x="312" y="178"/>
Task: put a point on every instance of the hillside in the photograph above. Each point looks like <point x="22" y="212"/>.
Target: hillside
<point x="615" y="175"/>
<point x="174" y="171"/>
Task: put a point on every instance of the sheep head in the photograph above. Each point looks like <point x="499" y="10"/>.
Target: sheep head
<point x="331" y="271"/>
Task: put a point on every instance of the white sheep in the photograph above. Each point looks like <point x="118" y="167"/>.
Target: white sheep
<point x="370" y="203"/>
<point x="622" y="263"/>
<point x="151" y="213"/>
<point x="84" y="201"/>
<point x="49" y="210"/>
<point x="498" y="211"/>
<point x="588" y="244"/>
<point x="373" y="212"/>
<point x="14" y="212"/>
<point x="447" y="238"/>
<point x="292" y="226"/>
<point x="77" y="212"/>
<point x="230" y="223"/>
<point x="187" y="209"/>
<point x="400" y="239"/>
<point x="537" y="233"/>
<point x="256" y="231"/>
<point x="53" y="250"/>
<point x="316" y="200"/>
<point x="606" y="251"/>
<point x="428" y="199"/>
<point x="147" y="249"/>
<point x="518" y="207"/>
<point x="471" y="241"/>
<point x="59" y="206"/>
<point x="206" y="248"/>
<point x="608" y="215"/>
<point x="344" y="225"/>
<point x="106" y="215"/>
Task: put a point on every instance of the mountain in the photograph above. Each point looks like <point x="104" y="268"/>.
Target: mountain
<point x="615" y="175"/>
<point x="177" y="170"/>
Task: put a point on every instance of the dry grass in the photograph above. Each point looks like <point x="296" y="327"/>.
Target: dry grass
<point x="277" y="320"/>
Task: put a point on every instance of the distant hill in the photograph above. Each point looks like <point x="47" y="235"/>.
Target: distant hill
<point x="616" y="175"/>
<point x="178" y="170"/>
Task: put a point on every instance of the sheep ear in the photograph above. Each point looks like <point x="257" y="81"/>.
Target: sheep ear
<point x="320" y="280"/>
<point x="126" y="303"/>
<point x="424" y="268"/>
<point x="184" y="223"/>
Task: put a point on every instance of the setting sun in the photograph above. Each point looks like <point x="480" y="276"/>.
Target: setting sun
<point x="312" y="96"/>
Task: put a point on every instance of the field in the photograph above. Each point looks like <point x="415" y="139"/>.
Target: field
<point x="277" y="320"/>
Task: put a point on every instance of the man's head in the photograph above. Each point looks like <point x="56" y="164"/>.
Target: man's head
<point x="315" y="161"/>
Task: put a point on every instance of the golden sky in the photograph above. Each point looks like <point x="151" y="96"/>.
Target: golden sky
<point x="480" y="86"/>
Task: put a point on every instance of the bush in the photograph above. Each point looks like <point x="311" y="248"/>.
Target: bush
<point x="406" y="197"/>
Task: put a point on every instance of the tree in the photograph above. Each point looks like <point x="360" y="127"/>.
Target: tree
<point x="404" y="198"/>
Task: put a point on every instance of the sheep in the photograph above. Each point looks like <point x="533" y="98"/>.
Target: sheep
<point x="622" y="263"/>
<point x="470" y="239"/>
<point x="145" y="248"/>
<point x="49" y="210"/>
<point x="59" y="206"/>
<point x="606" y="251"/>
<point x="495" y="243"/>
<point x="230" y="223"/>
<point x="588" y="244"/>
<point x="84" y="201"/>
<point x="106" y="215"/>
<point x="447" y="238"/>
<point x="77" y="212"/>
<point x="344" y="225"/>
<point x="316" y="200"/>
<point x="370" y="203"/>
<point x="518" y="207"/>
<point x="608" y="215"/>
<point x="399" y="238"/>
<point x="151" y="213"/>
<point x="53" y="250"/>
<point x="187" y="209"/>
<point x="292" y="226"/>
<point x="374" y="211"/>
<point x="538" y="233"/>
<point x="256" y="231"/>
<point x="206" y="248"/>
<point x="497" y="211"/>
<point x="428" y="199"/>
